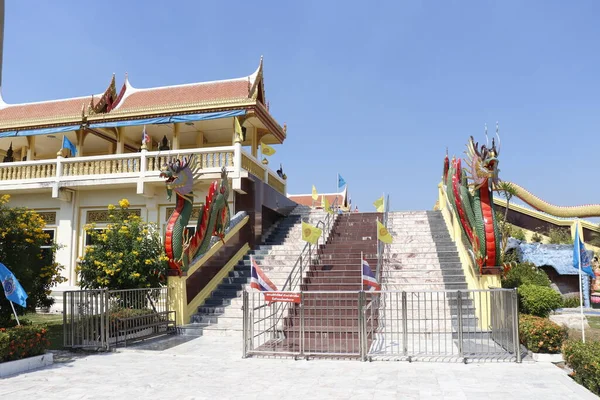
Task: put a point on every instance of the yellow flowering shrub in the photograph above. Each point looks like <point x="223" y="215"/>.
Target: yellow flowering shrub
<point x="26" y="250"/>
<point x="128" y="254"/>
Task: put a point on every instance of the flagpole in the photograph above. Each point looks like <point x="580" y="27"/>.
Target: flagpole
<point x="580" y="283"/>
<point x="13" y="308"/>
<point x="362" y="283"/>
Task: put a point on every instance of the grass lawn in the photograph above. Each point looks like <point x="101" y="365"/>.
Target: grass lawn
<point x="591" y="333"/>
<point x="54" y="322"/>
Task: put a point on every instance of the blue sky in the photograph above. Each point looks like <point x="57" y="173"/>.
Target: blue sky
<point x="373" y="90"/>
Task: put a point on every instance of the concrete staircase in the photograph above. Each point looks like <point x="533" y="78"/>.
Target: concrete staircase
<point x="422" y="256"/>
<point x="221" y="313"/>
<point x="423" y="261"/>
<point x="330" y="319"/>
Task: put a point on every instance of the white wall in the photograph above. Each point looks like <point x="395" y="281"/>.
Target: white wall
<point x="72" y="216"/>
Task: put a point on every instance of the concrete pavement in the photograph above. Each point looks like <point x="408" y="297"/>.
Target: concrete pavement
<point x="212" y="368"/>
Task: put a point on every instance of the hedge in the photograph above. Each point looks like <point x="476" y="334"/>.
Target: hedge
<point x="22" y="342"/>
<point x="584" y="359"/>
<point x="540" y="335"/>
<point x="525" y="274"/>
<point x="538" y="300"/>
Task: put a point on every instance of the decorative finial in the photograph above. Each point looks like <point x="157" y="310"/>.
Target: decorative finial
<point x="285" y="127"/>
<point x="265" y="161"/>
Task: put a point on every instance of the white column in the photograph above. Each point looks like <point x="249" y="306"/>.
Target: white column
<point x="143" y="167"/>
<point x="152" y="210"/>
<point x="66" y="235"/>
<point x="237" y="159"/>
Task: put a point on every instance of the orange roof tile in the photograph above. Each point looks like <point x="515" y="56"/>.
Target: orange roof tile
<point x="185" y="94"/>
<point x="46" y="109"/>
<point x="14" y="116"/>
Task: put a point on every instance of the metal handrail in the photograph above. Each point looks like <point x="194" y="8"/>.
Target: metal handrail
<point x="297" y="272"/>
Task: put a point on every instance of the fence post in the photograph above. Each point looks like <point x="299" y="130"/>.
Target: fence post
<point x="106" y="319"/>
<point x="404" y="324"/>
<point x="515" y="313"/>
<point x="460" y="323"/>
<point x="301" y="323"/>
<point x="361" y="326"/>
<point x="245" y="323"/>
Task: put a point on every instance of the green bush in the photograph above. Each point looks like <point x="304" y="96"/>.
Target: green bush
<point x="571" y="302"/>
<point x="540" y="335"/>
<point x="22" y="342"/>
<point x="517" y="233"/>
<point x="525" y="274"/>
<point x="28" y="252"/>
<point x="538" y="300"/>
<point x="128" y="254"/>
<point x="584" y="359"/>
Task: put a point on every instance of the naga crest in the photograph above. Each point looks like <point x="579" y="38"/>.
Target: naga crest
<point x="483" y="162"/>
<point x="179" y="175"/>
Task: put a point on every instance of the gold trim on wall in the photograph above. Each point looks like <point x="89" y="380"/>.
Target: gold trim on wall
<point x="195" y="212"/>
<point x="49" y="217"/>
<point x="95" y="216"/>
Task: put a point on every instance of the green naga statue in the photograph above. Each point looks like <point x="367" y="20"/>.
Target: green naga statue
<point x="470" y="193"/>
<point x="213" y="219"/>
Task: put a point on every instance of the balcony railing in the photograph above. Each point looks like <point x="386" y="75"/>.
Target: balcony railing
<point x="135" y="166"/>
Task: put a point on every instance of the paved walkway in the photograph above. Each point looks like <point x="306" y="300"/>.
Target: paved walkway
<point x="212" y="368"/>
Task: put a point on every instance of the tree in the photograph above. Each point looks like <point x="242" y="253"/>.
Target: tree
<point x="26" y="250"/>
<point x="128" y="254"/>
<point x="507" y="190"/>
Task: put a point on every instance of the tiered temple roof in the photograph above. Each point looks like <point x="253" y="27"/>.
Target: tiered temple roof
<point x="131" y="103"/>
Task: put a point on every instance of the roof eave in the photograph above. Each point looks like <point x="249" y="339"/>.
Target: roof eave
<point x="263" y="114"/>
<point x="180" y="109"/>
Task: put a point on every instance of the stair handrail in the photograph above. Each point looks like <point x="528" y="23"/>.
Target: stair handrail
<point x="305" y="257"/>
<point x="296" y="273"/>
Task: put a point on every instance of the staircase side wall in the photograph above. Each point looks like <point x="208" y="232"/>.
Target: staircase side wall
<point x="258" y="196"/>
<point x="474" y="279"/>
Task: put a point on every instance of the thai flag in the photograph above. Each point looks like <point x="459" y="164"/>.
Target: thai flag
<point x="145" y="136"/>
<point x="368" y="277"/>
<point x="258" y="279"/>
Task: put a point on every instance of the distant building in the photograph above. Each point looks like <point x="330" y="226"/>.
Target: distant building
<point x="336" y="200"/>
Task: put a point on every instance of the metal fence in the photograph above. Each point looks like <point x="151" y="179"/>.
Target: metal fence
<point x="387" y="325"/>
<point x="100" y="319"/>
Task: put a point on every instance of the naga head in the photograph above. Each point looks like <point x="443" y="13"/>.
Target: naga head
<point x="179" y="175"/>
<point x="224" y="186"/>
<point x="483" y="162"/>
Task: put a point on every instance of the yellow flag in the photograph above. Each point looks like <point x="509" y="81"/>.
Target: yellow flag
<point x="315" y="196"/>
<point x="383" y="234"/>
<point x="267" y="150"/>
<point x="310" y="233"/>
<point x="326" y="205"/>
<point x="238" y="129"/>
<point x="379" y="204"/>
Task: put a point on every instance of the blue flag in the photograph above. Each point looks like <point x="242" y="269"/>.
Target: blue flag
<point x="68" y="145"/>
<point x="12" y="288"/>
<point x="580" y="253"/>
<point x="341" y="182"/>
